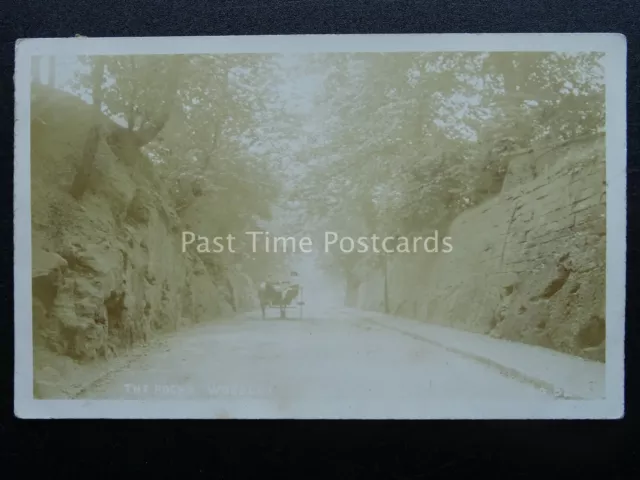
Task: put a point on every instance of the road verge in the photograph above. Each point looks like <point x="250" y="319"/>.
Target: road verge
<point x="563" y="376"/>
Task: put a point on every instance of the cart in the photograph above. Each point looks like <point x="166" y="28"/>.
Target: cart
<point x="284" y="296"/>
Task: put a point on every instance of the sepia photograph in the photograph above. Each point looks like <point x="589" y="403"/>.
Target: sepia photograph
<point x="321" y="227"/>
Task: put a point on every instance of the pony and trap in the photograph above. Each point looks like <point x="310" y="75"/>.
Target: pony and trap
<point x="282" y="295"/>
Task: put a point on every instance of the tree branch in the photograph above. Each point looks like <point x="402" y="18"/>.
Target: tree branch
<point x="147" y="134"/>
<point x="131" y="117"/>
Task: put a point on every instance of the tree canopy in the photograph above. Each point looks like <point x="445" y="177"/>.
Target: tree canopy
<point x="213" y="128"/>
<point x="413" y="139"/>
<point x="389" y="143"/>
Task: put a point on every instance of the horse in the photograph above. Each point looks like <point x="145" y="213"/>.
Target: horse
<point x="280" y="294"/>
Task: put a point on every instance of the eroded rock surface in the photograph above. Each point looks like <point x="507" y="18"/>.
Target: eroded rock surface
<point x="108" y="270"/>
<point x="527" y="265"/>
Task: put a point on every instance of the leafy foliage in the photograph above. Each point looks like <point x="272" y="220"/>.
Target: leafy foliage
<point x="204" y="121"/>
<point x="413" y="139"/>
<point x="394" y="143"/>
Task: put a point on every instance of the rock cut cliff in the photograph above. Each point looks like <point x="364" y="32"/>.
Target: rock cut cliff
<point x="108" y="270"/>
<point x="527" y="265"/>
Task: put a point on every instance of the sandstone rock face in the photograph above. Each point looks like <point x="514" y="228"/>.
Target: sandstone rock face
<point x="108" y="270"/>
<point x="527" y="265"/>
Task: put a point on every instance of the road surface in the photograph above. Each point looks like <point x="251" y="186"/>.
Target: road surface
<point x="339" y="357"/>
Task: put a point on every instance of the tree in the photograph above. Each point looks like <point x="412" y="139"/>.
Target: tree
<point x="82" y="176"/>
<point x="214" y="130"/>
<point x="36" y="74"/>
<point x="415" y="138"/>
<point x="52" y="71"/>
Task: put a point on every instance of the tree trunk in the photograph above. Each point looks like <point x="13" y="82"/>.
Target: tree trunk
<point x="131" y="114"/>
<point x="221" y="115"/>
<point x="147" y="133"/>
<point x="52" y="71"/>
<point x="83" y="175"/>
<point x="351" y="294"/>
<point x="35" y="70"/>
<point x="386" y="284"/>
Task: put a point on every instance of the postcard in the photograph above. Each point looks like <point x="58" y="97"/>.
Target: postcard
<point x="321" y="227"/>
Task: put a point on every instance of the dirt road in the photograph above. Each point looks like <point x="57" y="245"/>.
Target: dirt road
<point x="340" y="357"/>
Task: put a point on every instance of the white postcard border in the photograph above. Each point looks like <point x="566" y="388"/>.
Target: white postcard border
<point x="612" y="45"/>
